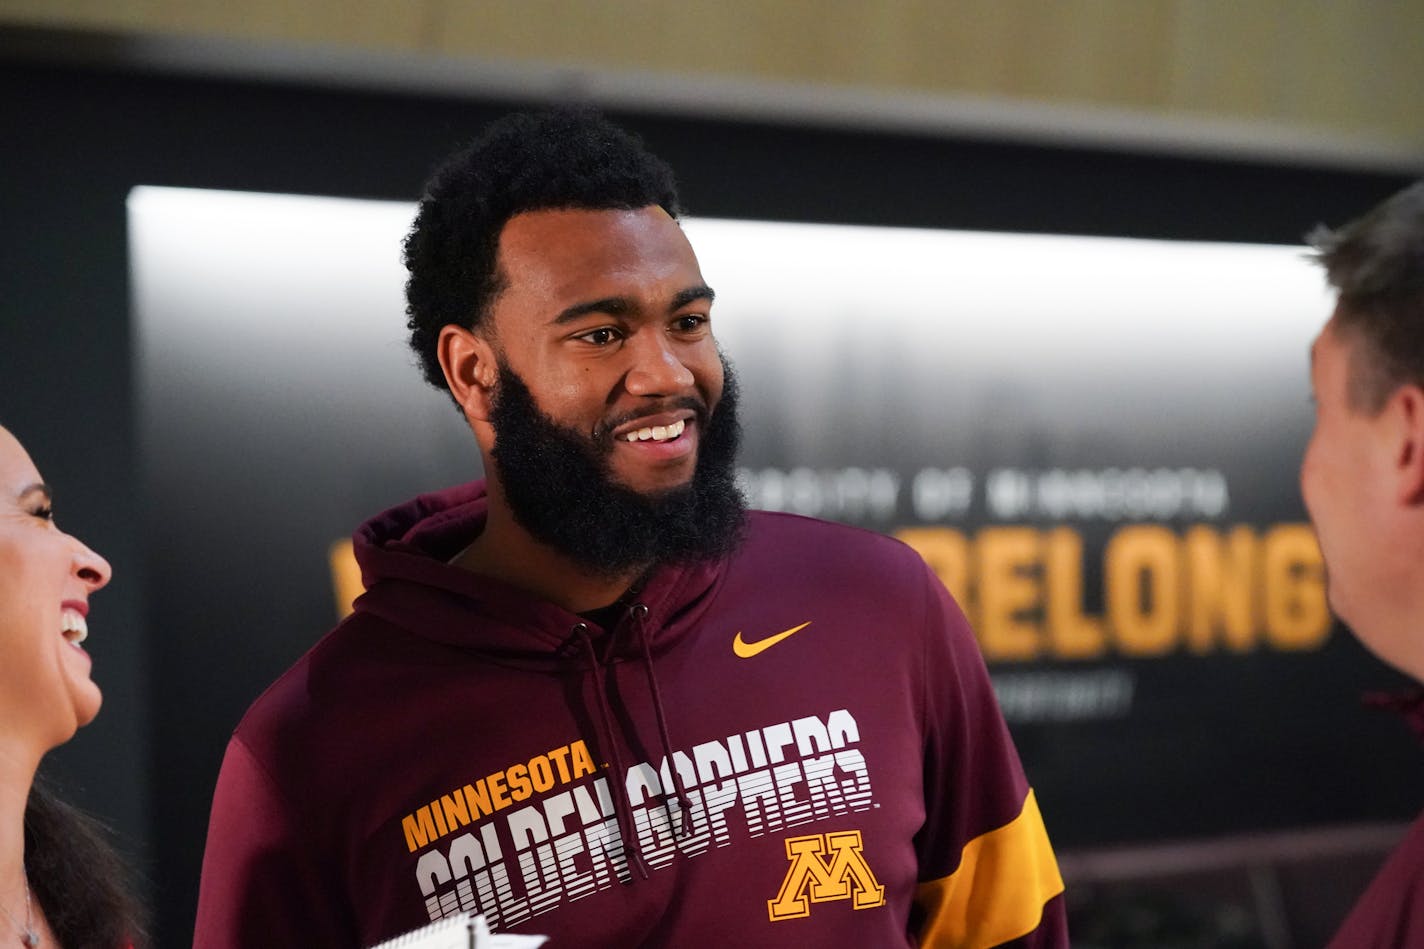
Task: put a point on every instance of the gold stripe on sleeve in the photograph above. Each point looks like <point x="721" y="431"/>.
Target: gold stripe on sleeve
<point x="1004" y="878"/>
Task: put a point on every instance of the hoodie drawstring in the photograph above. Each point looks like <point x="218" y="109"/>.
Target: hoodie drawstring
<point x="640" y="614"/>
<point x="622" y="811"/>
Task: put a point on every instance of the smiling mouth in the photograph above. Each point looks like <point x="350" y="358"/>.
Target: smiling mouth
<point x="655" y="433"/>
<point x="73" y="627"/>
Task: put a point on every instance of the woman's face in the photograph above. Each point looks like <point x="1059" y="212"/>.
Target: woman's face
<point x="46" y="577"/>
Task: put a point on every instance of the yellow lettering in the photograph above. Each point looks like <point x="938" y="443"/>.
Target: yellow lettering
<point x="1208" y="590"/>
<point x="560" y="758"/>
<point x="583" y="761"/>
<point x="473" y="802"/>
<point x="850" y="871"/>
<point x="805" y="856"/>
<point x="1006" y="556"/>
<point x="842" y="874"/>
<point x="478" y="800"/>
<point x="419" y="829"/>
<point x="1297" y="614"/>
<point x="1071" y="634"/>
<point x="497" y="792"/>
<point x="519" y="786"/>
<point x="1143" y="597"/>
<point x="1221" y="578"/>
<point x="457" y="814"/>
<point x="541" y="774"/>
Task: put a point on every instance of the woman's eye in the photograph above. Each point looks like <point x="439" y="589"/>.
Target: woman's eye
<point x="44" y="512"/>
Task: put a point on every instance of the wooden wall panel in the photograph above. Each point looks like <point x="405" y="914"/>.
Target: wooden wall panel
<point x="1348" y="67"/>
<point x="1351" y="66"/>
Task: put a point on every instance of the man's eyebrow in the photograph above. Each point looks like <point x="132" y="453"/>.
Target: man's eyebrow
<point x="691" y="295"/>
<point x="613" y="306"/>
<point x="621" y="306"/>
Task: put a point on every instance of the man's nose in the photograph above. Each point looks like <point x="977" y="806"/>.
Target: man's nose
<point x="657" y="367"/>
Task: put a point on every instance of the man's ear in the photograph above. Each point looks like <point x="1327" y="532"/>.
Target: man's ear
<point x="470" y="368"/>
<point x="1408" y="403"/>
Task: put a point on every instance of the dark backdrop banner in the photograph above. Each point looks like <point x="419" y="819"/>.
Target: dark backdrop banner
<point x="1094" y="442"/>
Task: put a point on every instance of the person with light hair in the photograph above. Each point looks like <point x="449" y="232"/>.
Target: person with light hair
<point x="1362" y="478"/>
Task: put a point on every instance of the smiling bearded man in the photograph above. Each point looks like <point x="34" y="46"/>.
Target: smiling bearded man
<point x="590" y="696"/>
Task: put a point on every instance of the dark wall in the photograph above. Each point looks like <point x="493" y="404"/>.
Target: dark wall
<point x="73" y="142"/>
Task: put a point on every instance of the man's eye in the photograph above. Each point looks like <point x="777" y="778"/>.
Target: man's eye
<point x="690" y="323"/>
<point x="601" y="336"/>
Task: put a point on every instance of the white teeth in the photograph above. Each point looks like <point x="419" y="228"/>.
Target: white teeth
<point x="657" y="433"/>
<point x="74" y="627"/>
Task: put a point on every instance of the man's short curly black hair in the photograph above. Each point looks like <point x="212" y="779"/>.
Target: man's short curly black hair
<point x="566" y="158"/>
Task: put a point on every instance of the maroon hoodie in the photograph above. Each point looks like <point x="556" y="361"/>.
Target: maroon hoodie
<point x="796" y="746"/>
<point x="1390" y="913"/>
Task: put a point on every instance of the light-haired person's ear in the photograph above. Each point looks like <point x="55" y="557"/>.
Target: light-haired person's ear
<point x="1407" y="408"/>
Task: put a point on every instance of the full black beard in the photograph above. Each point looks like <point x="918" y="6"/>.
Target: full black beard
<point x="560" y="489"/>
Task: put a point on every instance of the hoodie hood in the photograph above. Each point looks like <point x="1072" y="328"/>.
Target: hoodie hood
<point x="405" y="553"/>
<point x="405" y="556"/>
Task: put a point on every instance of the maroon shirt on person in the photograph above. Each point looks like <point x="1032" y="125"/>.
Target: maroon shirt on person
<point x="1390" y="913"/>
<point x="798" y="745"/>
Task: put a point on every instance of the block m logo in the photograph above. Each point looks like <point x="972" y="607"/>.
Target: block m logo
<point x="825" y="867"/>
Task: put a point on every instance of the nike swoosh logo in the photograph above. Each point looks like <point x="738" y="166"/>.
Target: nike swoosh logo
<point x="746" y="650"/>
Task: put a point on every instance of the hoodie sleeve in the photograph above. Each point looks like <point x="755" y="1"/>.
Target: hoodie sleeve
<point x="987" y="875"/>
<point x="260" y="884"/>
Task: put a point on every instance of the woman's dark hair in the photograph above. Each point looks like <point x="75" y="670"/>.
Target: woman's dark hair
<point x="570" y="158"/>
<point x="77" y="878"/>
